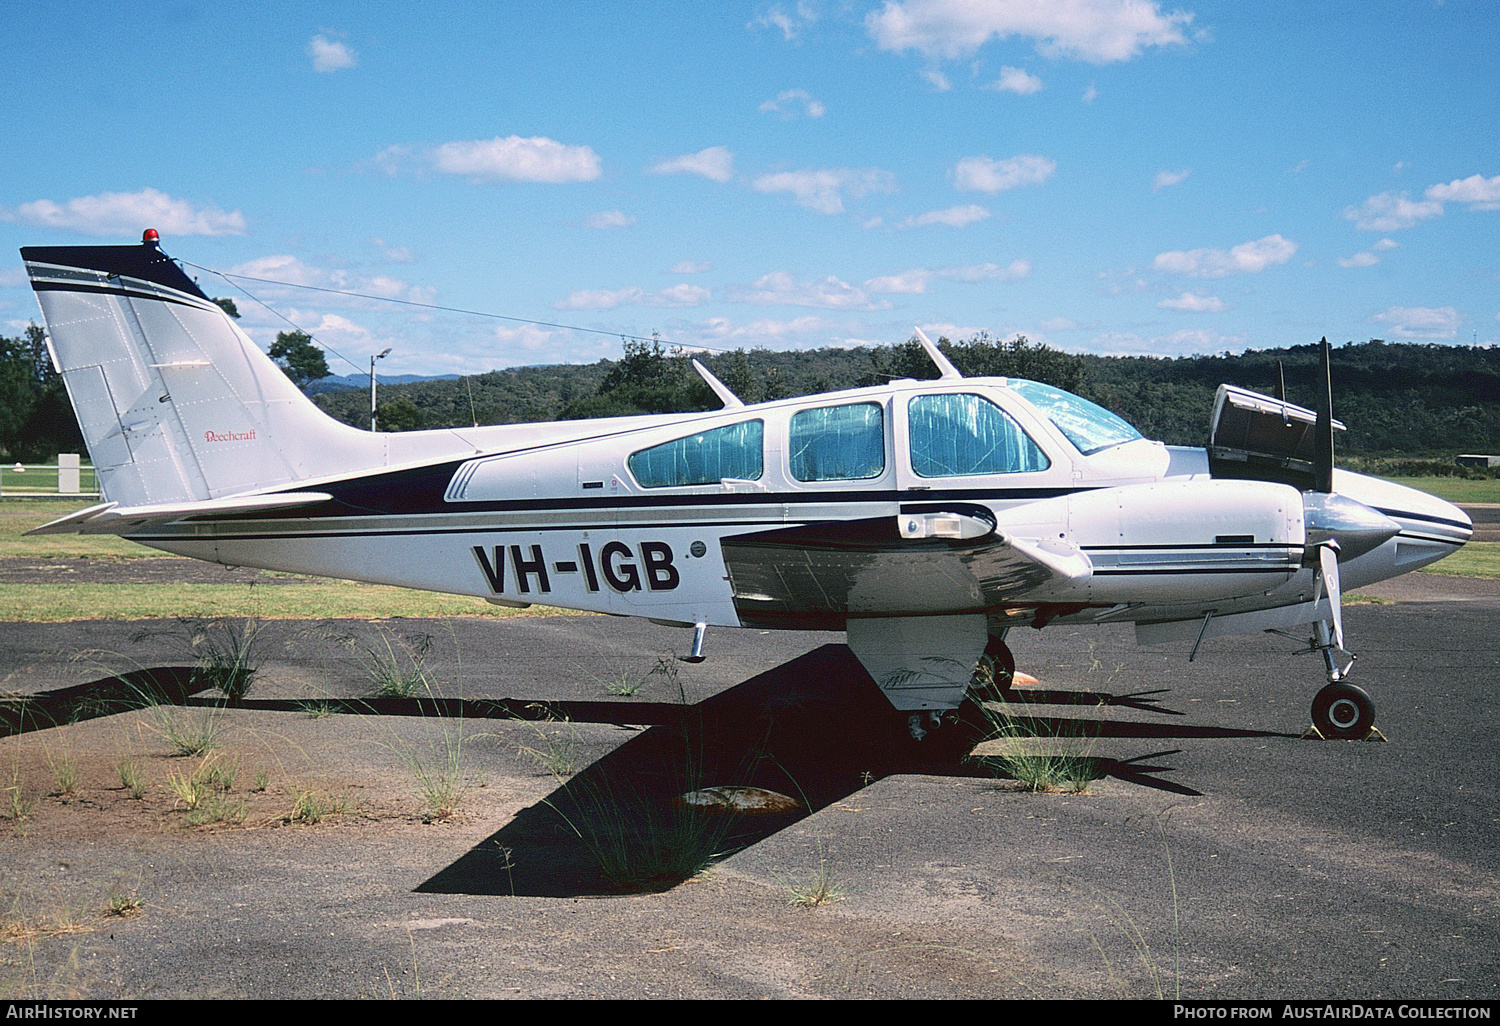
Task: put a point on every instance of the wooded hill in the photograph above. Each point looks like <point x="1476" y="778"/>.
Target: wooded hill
<point x="1396" y="398"/>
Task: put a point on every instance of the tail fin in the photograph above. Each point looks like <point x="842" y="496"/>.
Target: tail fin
<point x="176" y="404"/>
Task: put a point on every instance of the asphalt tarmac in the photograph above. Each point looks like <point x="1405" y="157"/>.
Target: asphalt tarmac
<point x="1214" y="855"/>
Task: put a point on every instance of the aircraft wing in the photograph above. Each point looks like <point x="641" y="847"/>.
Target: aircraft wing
<point x="924" y="561"/>
<point x="112" y="518"/>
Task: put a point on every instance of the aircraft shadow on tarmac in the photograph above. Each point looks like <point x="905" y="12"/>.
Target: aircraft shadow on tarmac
<point x="813" y="729"/>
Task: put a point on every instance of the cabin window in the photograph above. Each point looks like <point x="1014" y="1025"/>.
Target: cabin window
<point x="708" y="457"/>
<point x="959" y="434"/>
<point x="838" y="443"/>
<point x="1089" y="426"/>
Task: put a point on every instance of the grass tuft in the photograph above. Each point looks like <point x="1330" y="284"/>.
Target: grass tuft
<point x="65" y="775"/>
<point x="396" y="666"/>
<point x="187" y="733"/>
<point x="224" y="650"/>
<point x="819" y="889"/>
<point x="123" y="906"/>
<point x="132" y="777"/>
<point x="1038" y="762"/>
<point x="311" y="807"/>
<point x="17" y="805"/>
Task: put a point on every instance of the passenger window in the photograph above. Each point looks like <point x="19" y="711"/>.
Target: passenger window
<point x="838" y="443"/>
<point x="960" y="434"/>
<point x="705" y="458"/>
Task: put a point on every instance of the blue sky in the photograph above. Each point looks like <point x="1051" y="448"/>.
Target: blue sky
<point x="1109" y="176"/>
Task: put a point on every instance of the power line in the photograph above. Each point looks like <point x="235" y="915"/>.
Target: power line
<point x="425" y="306"/>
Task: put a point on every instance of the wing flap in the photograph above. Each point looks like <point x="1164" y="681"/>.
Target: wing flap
<point x="821" y="573"/>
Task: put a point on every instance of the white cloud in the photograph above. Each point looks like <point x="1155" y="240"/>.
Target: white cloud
<point x="1016" y="80"/>
<point x="1176" y="343"/>
<point x="779" y="288"/>
<point x="1013" y="271"/>
<point x="1479" y="192"/>
<point x="605" y="299"/>
<point x="791" y="102"/>
<point x="1359" y="260"/>
<point x="392" y="159"/>
<point x="610" y="219"/>
<point x="907" y="283"/>
<point x="1193" y="302"/>
<point x="716" y="163"/>
<point x="937" y="79"/>
<point x="395" y="254"/>
<point x="1167" y="179"/>
<point x="690" y="267"/>
<point x="517" y="159"/>
<point x="1097" y="31"/>
<point x="527" y="336"/>
<point x="789" y="22"/>
<point x="1389" y="212"/>
<point x="915" y="281"/>
<point x="128" y="213"/>
<point x="982" y="174"/>
<point x="1385" y="244"/>
<point x="722" y="330"/>
<point x="1246" y="258"/>
<point x="823" y="190"/>
<point x="1060" y="324"/>
<point x="953" y="217"/>
<point x="1421" y="321"/>
<point x="329" y="54"/>
<point x="1091" y="93"/>
<point x="286" y="269"/>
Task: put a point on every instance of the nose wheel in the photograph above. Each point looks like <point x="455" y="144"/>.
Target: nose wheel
<point x="1343" y="711"/>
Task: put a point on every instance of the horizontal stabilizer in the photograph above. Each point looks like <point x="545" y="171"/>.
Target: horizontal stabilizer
<point x="112" y="518"/>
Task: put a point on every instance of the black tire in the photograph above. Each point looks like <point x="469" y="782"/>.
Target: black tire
<point x="1001" y="663"/>
<point x="1343" y="711"/>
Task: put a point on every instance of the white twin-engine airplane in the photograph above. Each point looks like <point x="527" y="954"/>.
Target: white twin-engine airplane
<point x="923" y="518"/>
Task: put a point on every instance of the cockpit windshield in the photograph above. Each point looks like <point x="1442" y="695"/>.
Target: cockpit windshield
<point x="1089" y="426"/>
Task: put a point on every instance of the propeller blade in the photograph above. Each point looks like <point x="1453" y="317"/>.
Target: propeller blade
<point x="1323" y="431"/>
<point x="1328" y="568"/>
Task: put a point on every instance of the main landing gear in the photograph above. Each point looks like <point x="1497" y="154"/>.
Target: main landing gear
<point x="996" y="671"/>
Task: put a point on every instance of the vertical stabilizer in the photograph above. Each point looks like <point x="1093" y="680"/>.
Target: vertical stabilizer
<point x="176" y="403"/>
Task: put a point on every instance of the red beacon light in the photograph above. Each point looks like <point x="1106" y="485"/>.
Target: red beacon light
<point x="150" y="237"/>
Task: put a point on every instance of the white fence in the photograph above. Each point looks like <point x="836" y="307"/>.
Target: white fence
<point x="68" y="477"/>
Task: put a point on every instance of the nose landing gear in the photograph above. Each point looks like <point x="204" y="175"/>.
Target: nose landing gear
<point x="1340" y="711"/>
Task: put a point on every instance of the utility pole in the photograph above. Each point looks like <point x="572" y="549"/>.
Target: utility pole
<point x="373" y="358"/>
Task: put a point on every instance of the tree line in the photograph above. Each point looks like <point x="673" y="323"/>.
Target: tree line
<point x="1396" y="398"/>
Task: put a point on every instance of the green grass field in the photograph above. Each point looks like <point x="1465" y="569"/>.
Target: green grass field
<point x="1476" y="559"/>
<point x="43" y="479"/>
<point x="1455" y="489"/>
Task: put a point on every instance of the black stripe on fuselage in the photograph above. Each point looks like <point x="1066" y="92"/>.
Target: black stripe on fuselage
<point x="420" y="491"/>
<point x="1461" y="525"/>
<point x="108" y="290"/>
<point x="1455" y="542"/>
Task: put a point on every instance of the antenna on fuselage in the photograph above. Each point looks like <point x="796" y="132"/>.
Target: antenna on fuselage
<point x="728" y="398"/>
<point x="946" y="370"/>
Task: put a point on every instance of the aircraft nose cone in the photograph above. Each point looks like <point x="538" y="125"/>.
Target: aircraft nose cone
<point x="1356" y="527"/>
